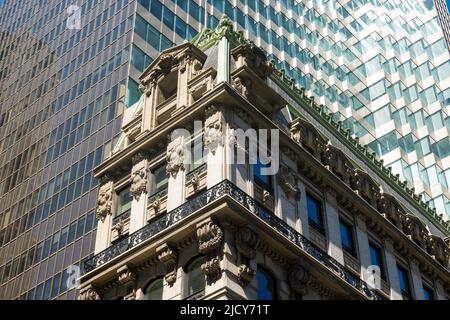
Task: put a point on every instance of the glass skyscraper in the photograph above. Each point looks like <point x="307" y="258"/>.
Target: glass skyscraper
<point x="381" y="67"/>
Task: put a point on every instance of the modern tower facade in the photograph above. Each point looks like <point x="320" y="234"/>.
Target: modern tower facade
<point x="61" y="97"/>
<point x="381" y="67"/>
<point x="322" y="222"/>
<point x="444" y="17"/>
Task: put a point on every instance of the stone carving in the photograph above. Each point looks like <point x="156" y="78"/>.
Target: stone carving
<point x="175" y="158"/>
<point x="365" y="186"/>
<point x="243" y="85"/>
<point x="138" y="183"/>
<point x="337" y="162"/>
<point x="118" y="227"/>
<point x="415" y="229"/>
<point x="307" y="135"/>
<point x="89" y="293"/>
<point x="209" y="236"/>
<point x="288" y="182"/>
<point x="246" y="242"/>
<point x="439" y="249"/>
<point x="252" y="56"/>
<point x="211" y="268"/>
<point x="195" y="180"/>
<point x="168" y="256"/>
<point x="298" y="278"/>
<point x="391" y="209"/>
<point x="156" y="204"/>
<point x="245" y="275"/>
<point x="126" y="276"/>
<point x="213" y="137"/>
<point x="104" y="201"/>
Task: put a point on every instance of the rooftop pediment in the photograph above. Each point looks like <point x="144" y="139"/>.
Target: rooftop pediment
<point x="171" y="59"/>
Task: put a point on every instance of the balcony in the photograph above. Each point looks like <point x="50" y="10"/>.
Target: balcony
<point x="219" y="191"/>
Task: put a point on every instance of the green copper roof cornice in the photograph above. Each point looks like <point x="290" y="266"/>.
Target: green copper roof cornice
<point x="208" y="38"/>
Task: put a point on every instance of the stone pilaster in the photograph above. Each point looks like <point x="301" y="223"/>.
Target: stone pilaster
<point x="362" y="240"/>
<point x="332" y="225"/>
<point x="214" y="145"/>
<point x="416" y="280"/>
<point x="391" y="265"/>
<point x="138" y="191"/>
<point x="105" y="204"/>
<point x="176" y="171"/>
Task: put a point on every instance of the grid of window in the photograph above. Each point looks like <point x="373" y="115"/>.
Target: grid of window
<point x="52" y="134"/>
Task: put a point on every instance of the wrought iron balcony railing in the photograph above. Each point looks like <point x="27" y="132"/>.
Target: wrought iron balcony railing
<point x="222" y="189"/>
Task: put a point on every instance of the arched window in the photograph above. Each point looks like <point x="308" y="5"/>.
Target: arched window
<point x="154" y="290"/>
<point x="266" y="284"/>
<point x="195" y="278"/>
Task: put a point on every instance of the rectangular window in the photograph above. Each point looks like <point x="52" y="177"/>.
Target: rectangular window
<point x="376" y="258"/>
<point x="315" y="218"/>
<point x="403" y="278"/>
<point x="160" y="179"/>
<point x="428" y="293"/>
<point x="347" y="240"/>
<point x="123" y="201"/>
<point x="264" y="180"/>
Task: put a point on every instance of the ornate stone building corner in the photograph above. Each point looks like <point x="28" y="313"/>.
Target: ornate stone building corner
<point x="139" y="175"/>
<point x="105" y="198"/>
<point x="168" y="256"/>
<point x="288" y="182"/>
<point x="213" y="129"/>
<point x="175" y="156"/>
<point x="89" y="293"/>
<point x="246" y="242"/>
<point x="298" y="278"/>
<point x="210" y="236"/>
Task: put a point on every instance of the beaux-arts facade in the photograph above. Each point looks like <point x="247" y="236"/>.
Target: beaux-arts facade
<point x="208" y="228"/>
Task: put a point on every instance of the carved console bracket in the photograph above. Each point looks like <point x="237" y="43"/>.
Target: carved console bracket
<point x="246" y="242"/>
<point x="127" y="277"/>
<point x="210" y="236"/>
<point x="168" y="256"/>
<point x="89" y="293"/>
<point x="298" y="278"/>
